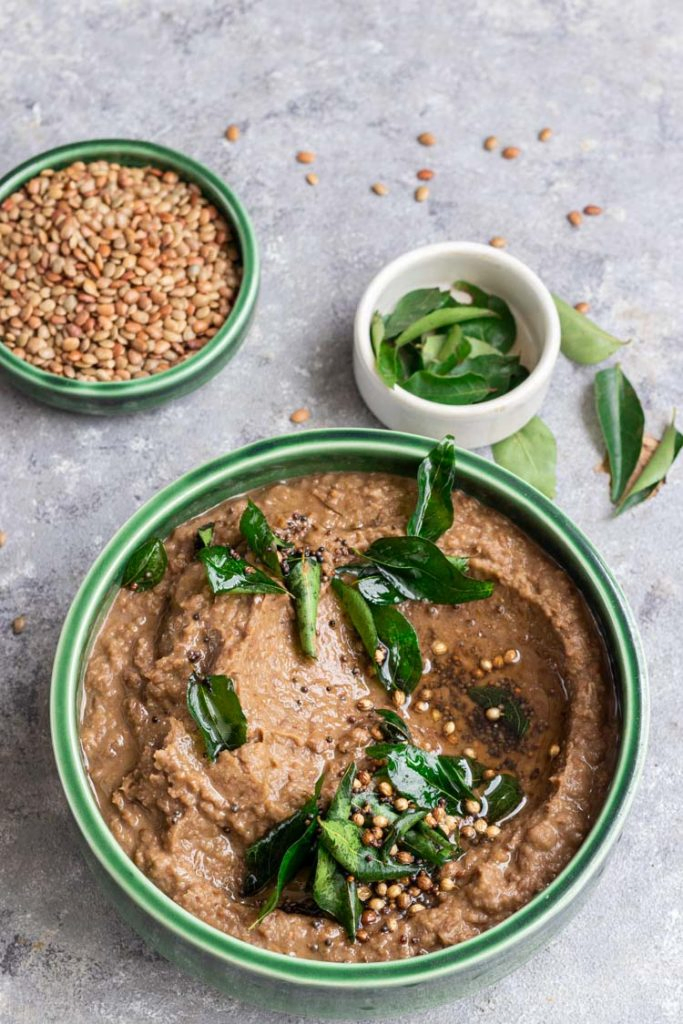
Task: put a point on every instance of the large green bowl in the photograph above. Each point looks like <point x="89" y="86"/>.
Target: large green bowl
<point x="332" y="990"/>
<point x="124" y="396"/>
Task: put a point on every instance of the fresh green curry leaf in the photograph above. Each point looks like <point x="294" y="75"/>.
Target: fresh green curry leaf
<point x="435" y="482"/>
<point x="581" y="340"/>
<point x="295" y="857"/>
<point x="424" y="777"/>
<point x="388" y="365"/>
<point x="303" y="581"/>
<point x="393" y="727"/>
<point x="622" y="423"/>
<point x="265" y="855"/>
<point x="358" y="610"/>
<point x="146" y="566"/>
<point x="376" y="332"/>
<point x="531" y="454"/>
<point x="511" y="709"/>
<point x="216" y="709"/>
<point x="500" y="332"/>
<point x="657" y="467"/>
<point x="204" y="536"/>
<point x="412" y="307"/>
<point x="431" y="845"/>
<point x="420" y="571"/>
<point x="502" y="798"/>
<point x="262" y="540"/>
<point x="342" y="839"/>
<point x="229" y="574"/>
<point x="335" y="894"/>
<point x="467" y="389"/>
<point x="340" y="805"/>
<point x="399" y="828"/>
<point x="442" y="318"/>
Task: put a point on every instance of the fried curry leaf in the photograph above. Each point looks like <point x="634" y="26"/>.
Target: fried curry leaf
<point x="622" y="423"/>
<point x="412" y="307"/>
<point x="262" y="540"/>
<point x="204" y="536"/>
<point x="467" y="389"/>
<point x="656" y="469"/>
<point x="435" y="482"/>
<point x="499" y="332"/>
<point x="303" y="580"/>
<point x="420" y="571"/>
<point x="439" y="318"/>
<point x="511" y="709"/>
<point x="342" y="839"/>
<point x="217" y="712"/>
<point x="265" y="855"/>
<point x="531" y="454"/>
<point x="228" y="574"/>
<point x="374" y="588"/>
<point x="298" y="854"/>
<point x="146" y="566"/>
<point x="581" y="340"/>
<point x="399" y="828"/>
<point x="393" y="727"/>
<point x="431" y="845"/>
<point x="502" y="798"/>
<point x="424" y="777"/>
<point x="388" y="637"/>
<point x="332" y="890"/>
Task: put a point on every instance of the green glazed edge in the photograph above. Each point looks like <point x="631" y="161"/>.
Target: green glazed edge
<point x="199" y="367"/>
<point x="398" y="453"/>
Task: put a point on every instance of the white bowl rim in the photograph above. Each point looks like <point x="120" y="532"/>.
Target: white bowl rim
<point x="538" y="375"/>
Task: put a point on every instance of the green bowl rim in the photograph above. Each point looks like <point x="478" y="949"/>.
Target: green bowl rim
<point x="228" y="337"/>
<point x="522" y="925"/>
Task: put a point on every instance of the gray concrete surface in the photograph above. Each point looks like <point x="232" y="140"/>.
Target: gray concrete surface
<point x="356" y="83"/>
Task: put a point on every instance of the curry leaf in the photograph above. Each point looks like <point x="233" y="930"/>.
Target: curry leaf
<point x="146" y="566"/>
<point x="376" y="332"/>
<point x="441" y="318"/>
<point x="622" y="422"/>
<point x="358" y="610"/>
<point x="502" y="798"/>
<point x="401" y="665"/>
<point x="436" y="348"/>
<point x="431" y="845"/>
<point x="531" y="454"/>
<point x="435" y="481"/>
<point x="298" y="854"/>
<point x="342" y="839"/>
<point x="228" y="574"/>
<point x="388" y="365"/>
<point x="511" y="709"/>
<point x="500" y="332"/>
<point x="303" y="581"/>
<point x="264" y="856"/>
<point x="424" y="777"/>
<point x="399" y="829"/>
<point x="204" y="536"/>
<point x="467" y="389"/>
<point x="581" y="340"/>
<point x="262" y="540"/>
<point x="412" y="307"/>
<point x="657" y="467"/>
<point x="335" y="894"/>
<point x="420" y="571"/>
<point x="216" y="709"/>
<point x="393" y="727"/>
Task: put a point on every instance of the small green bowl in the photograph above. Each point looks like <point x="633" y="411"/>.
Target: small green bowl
<point x="333" y="990"/>
<point x="125" y="396"/>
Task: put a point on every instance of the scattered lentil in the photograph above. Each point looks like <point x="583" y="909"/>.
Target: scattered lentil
<point x="110" y="272"/>
<point x="379" y="189"/>
<point x="545" y="134"/>
<point x="574" y="218"/>
<point x="232" y="133"/>
<point x="425" y="174"/>
<point x="581" y="307"/>
<point x="3" y="538"/>
<point x="592" y="210"/>
<point x="305" y="156"/>
<point x="426" y="139"/>
<point x="300" y="415"/>
<point x="421" y="194"/>
<point x="19" y="624"/>
<point x="511" y="152"/>
<point x="312" y="178"/>
<point x="490" y="143"/>
<point x="498" y="242"/>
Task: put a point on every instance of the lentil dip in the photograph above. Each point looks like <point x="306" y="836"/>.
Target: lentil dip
<point x="187" y="823"/>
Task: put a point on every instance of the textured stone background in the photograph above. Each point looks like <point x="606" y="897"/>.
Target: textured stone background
<point x="356" y="82"/>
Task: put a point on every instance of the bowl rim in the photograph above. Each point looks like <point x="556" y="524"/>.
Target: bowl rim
<point x="230" y="334"/>
<point x="514" y="267"/>
<point x="169" y="504"/>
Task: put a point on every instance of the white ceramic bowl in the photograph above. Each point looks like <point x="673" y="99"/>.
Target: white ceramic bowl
<point x="538" y="342"/>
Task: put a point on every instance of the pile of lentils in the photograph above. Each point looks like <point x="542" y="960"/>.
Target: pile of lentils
<point x="109" y="273"/>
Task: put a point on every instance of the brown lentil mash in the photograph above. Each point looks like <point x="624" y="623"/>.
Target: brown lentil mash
<point x="187" y="823"/>
<point x="110" y="273"/>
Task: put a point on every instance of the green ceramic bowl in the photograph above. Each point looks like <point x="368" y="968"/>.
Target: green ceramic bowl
<point x="331" y="990"/>
<point x="109" y="398"/>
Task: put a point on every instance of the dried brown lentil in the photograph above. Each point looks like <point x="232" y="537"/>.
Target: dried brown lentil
<point x="379" y="189"/>
<point x="421" y="194"/>
<point x="545" y="134"/>
<point x="232" y="133"/>
<point x="490" y="143"/>
<point x="581" y="307"/>
<point x="19" y="624"/>
<point x="425" y="174"/>
<point x="312" y="178"/>
<point x="574" y="218"/>
<point x="592" y="210"/>
<point x="511" y="152"/>
<point x="300" y="415"/>
<point x="305" y="156"/>
<point x="426" y="139"/>
<point x="498" y="242"/>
